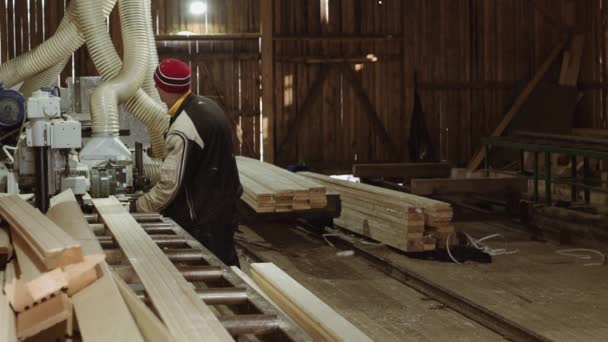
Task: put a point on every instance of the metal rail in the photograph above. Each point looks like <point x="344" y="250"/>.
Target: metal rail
<point x="549" y="144"/>
<point x="242" y="311"/>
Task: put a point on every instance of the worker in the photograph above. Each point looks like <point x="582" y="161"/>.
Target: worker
<point x="199" y="183"/>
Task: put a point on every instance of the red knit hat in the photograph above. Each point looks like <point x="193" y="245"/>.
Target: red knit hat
<point x="173" y="76"/>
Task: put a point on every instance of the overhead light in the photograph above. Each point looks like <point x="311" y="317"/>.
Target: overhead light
<point x="198" y="8"/>
<point x="185" y="33"/>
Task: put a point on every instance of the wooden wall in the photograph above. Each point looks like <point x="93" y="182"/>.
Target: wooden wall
<point x="471" y="57"/>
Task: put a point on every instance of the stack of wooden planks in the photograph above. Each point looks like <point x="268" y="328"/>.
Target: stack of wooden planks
<point x="269" y="188"/>
<point x="400" y="220"/>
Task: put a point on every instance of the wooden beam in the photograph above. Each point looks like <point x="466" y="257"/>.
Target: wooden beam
<point x="519" y="102"/>
<point x="406" y="171"/>
<point x="601" y="133"/>
<point x="186" y="316"/>
<point x="337" y="37"/>
<point x="151" y="327"/>
<point x="202" y="37"/>
<point x="369" y="109"/>
<point x="468" y="185"/>
<point x="576" y="56"/>
<point x="299" y="113"/>
<point x="50" y="245"/>
<point x="102" y="314"/>
<point x="268" y="119"/>
<point x="317" y="318"/>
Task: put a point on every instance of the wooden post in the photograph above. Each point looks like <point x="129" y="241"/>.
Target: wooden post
<point x="267" y="27"/>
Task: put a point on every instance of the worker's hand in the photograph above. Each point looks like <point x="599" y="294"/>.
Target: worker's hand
<point x="133" y="206"/>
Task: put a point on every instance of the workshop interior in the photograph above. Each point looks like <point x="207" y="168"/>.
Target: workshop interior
<point x="303" y="170"/>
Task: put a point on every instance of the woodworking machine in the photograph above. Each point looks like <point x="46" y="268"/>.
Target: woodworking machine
<point x="47" y="158"/>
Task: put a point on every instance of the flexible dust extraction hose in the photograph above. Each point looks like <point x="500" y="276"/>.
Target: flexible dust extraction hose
<point x="52" y="51"/>
<point x="123" y="83"/>
<point x="107" y="62"/>
<point x="41" y="80"/>
<point x="149" y="86"/>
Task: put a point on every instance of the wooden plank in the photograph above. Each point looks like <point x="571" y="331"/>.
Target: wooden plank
<point x="369" y="109"/>
<point x="268" y="123"/>
<point x="601" y="133"/>
<point x="186" y="316"/>
<point x="299" y="113"/>
<point x="318" y="319"/>
<point x="102" y="314"/>
<point x="41" y="317"/>
<point x="468" y="185"/>
<point x="406" y="171"/>
<point x="151" y="327"/>
<point x="576" y="55"/>
<point x="6" y="249"/>
<point x="519" y="102"/>
<point x="50" y="244"/>
<point x="8" y="327"/>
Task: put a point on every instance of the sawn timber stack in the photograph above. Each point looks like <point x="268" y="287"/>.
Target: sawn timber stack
<point x="394" y="218"/>
<point x="269" y="188"/>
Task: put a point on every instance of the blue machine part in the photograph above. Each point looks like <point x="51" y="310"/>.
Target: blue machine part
<point x="12" y="108"/>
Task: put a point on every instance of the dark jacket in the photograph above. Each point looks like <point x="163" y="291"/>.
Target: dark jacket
<point x="199" y="184"/>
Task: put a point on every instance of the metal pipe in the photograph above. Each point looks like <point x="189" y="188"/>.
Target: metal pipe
<point x="158" y="230"/>
<point x="190" y="273"/>
<point x="139" y="217"/>
<point x="162" y="241"/>
<point x="99" y="229"/>
<point x="201" y="273"/>
<point x="147" y="217"/>
<point x="216" y="296"/>
<point x="41" y="163"/>
<point x="157" y="224"/>
<point x="115" y="256"/>
<point x="184" y="255"/>
<point x="250" y="324"/>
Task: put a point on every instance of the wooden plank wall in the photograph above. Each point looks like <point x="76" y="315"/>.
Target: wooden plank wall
<point x="471" y="57"/>
<point x="226" y="70"/>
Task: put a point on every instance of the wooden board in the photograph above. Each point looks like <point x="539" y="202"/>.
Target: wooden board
<point x="186" y="316"/>
<point x="49" y="244"/>
<point x="6" y="249"/>
<point x="151" y="327"/>
<point x="314" y="316"/>
<point x="8" y="327"/>
<point x="406" y="171"/>
<point x="468" y="185"/>
<point x="102" y="314"/>
<point x="41" y="317"/>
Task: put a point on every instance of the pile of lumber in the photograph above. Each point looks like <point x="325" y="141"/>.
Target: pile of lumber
<point x="407" y="222"/>
<point x="50" y="268"/>
<point x="57" y="284"/>
<point x="269" y="188"/>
